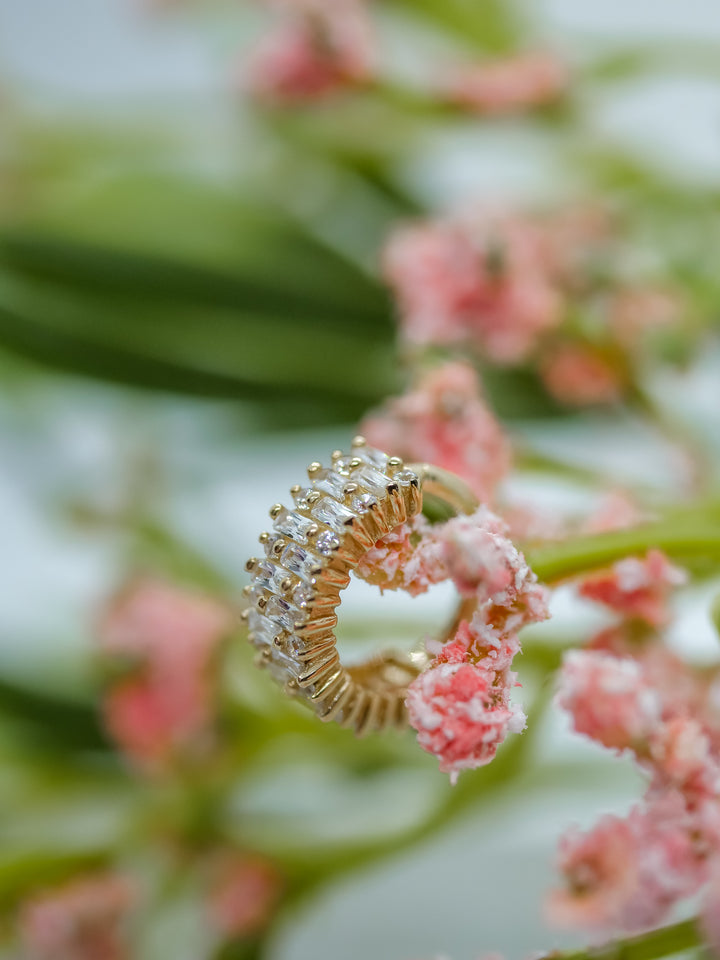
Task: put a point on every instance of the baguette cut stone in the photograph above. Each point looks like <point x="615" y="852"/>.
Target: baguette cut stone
<point x="372" y="480"/>
<point x="299" y="561"/>
<point x="270" y="576"/>
<point x="328" y="481"/>
<point x="283" y="613"/>
<point x="376" y="458"/>
<point x="262" y="630"/>
<point x="293" y="525"/>
<point x="334" y="514"/>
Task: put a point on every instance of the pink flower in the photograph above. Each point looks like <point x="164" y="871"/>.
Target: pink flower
<point x="608" y="699"/>
<point x="639" y="311"/>
<point x="319" y="49"/>
<point x="243" y="895"/>
<point x="445" y="421"/>
<point x="628" y="873"/>
<point x="636" y="588"/>
<point x="81" y="920"/>
<point x="407" y="558"/>
<point x="483" y="280"/>
<point x="167" y="637"/>
<point x="617" y="511"/>
<point x="578" y="376"/>
<point x="510" y="85"/>
<point x="460" y="717"/>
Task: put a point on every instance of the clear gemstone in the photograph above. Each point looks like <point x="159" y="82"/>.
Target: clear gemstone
<point x="262" y="630"/>
<point x="283" y="613"/>
<point x="376" y="458"/>
<point x="334" y="514"/>
<point x="302" y="594"/>
<point x="282" y="667"/>
<point x="404" y="477"/>
<point x="342" y="464"/>
<point x="299" y="561"/>
<point x="363" y="502"/>
<point x="330" y="482"/>
<point x="270" y="542"/>
<point x="293" y="525"/>
<point x="300" y="498"/>
<point x="327" y="543"/>
<point x="371" y="478"/>
<point x="270" y="576"/>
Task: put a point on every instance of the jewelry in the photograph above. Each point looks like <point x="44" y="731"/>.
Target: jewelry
<point x="309" y="555"/>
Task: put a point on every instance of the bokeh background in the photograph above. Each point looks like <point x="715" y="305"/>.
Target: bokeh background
<point x="190" y="312"/>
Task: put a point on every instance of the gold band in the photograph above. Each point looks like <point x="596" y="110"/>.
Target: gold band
<point x="309" y="556"/>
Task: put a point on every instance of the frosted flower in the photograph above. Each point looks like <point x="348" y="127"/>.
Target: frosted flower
<point x="481" y="280"/>
<point x="628" y="873"/>
<point x="320" y="48"/>
<point x="459" y="715"/>
<point x="510" y="85"/>
<point x="243" y="895"/>
<point x="445" y="420"/>
<point x="636" y="588"/>
<point x="407" y="558"/>
<point x="608" y="699"/>
<point x="167" y="637"/>
<point x="578" y="375"/>
<point x="81" y="920"/>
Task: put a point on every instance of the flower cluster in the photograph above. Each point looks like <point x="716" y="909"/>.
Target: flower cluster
<point x="444" y="420"/>
<point x="163" y="640"/>
<point x="629" y="693"/>
<point x="460" y="705"/>
<point x="80" y="920"/>
<point x="509" y="85"/>
<point x="318" y="49"/>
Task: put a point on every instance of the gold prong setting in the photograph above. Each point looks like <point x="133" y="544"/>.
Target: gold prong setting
<point x="309" y="555"/>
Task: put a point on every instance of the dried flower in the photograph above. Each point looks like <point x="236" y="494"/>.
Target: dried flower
<point x="168" y="637"/>
<point x="636" y="588"/>
<point x="608" y="699"/>
<point x="320" y="48"/>
<point x="243" y="894"/>
<point x="445" y="420"/>
<point x="510" y="85"/>
<point x="580" y="375"/>
<point x="81" y="920"/>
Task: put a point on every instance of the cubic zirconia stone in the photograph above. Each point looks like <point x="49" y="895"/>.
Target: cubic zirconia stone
<point x="262" y="630"/>
<point x="269" y="543"/>
<point x="300" y="498"/>
<point x="283" y="613"/>
<point x="270" y="576"/>
<point x="302" y="594"/>
<point x="405" y="477"/>
<point x="293" y="525"/>
<point x="376" y="458"/>
<point x="342" y="465"/>
<point x="334" y="514"/>
<point x="330" y="482"/>
<point x="372" y="479"/>
<point x="299" y="561"/>
<point x="282" y="667"/>
<point x="363" y="502"/>
<point x="327" y="543"/>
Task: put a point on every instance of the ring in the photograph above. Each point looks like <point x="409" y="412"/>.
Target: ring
<point x="309" y="556"/>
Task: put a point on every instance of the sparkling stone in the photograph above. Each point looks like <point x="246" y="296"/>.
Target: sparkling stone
<point x="302" y="594"/>
<point x="262" y="630"/>
<point x="342" y="465"/>
<point x="282" y="667"/>
<point x="283" y="613"/>
<point x="300" y="498"/>
<point x="328" y="481"/>
<point x="293" y="525"/>
<point x="334" y="514"/>
<point x="371" y="478"/>
<point x="405" y="477"/>
<point x="299" y="561"/>
<point x="327" y="543"/>
<point x="270" y="576"/>
<point x="269" y="543"/>
<point x="363" y="502"/>
<point x="376" y="458"/>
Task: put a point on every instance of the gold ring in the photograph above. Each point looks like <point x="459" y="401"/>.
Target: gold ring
<point x="309" y="556"/>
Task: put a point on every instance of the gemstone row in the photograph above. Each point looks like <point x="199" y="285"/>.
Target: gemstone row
<point x="309" y="555"/>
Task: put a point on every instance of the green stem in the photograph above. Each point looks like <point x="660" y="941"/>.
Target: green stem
<point x="652" y="945"/>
